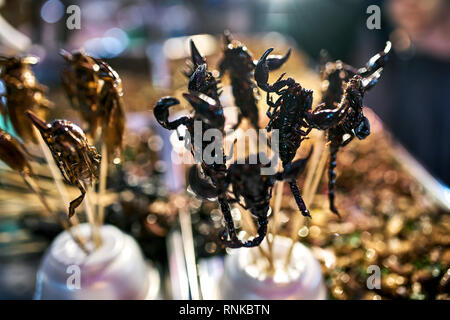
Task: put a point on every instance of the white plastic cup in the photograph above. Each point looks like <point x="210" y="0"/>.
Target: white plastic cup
<point x="115" y="271"/>
<point x="244" y="277"/>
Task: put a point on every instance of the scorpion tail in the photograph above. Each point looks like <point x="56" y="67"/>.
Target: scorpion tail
<point x="298" y="199"/>
<point x="196" y="57"/>
<point x="229" y="230"/>
<point x="332" y="179"/>
<point x="262" y="231"/>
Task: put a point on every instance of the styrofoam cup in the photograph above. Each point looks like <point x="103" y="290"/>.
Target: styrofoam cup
<point x="245" y="278"/>
<point x="116" y="270"/>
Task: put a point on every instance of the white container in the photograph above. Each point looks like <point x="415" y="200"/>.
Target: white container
<point x="244" y="277"/>
<point x="116" y="270"/>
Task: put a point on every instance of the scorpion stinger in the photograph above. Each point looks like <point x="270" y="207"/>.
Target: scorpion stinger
<point x="196" y="57"/>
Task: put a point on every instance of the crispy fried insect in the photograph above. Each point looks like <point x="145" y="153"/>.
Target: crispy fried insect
<point x="95" y="90"/>
<point x="288" y="115"/>
<point x="336" y="73"/>
<point x="341" y="112"/>
<point x="210" y="114"/>
<point x="240" y="65"/>
<point x="77" y="160"/>
<point x="81" y="84"/>
<point x="111" y="110"/>
<point x="20" y="91"/>
<point x="14" y="154"/>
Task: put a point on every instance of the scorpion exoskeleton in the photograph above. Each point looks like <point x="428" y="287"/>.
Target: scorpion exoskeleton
<point x="80" y="82"/>
<point x="288" y="115"/>
<point x="210" y="113"/>
<point x="341" y="112"/>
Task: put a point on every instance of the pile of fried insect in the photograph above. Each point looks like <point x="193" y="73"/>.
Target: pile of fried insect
<point x="340" y="115"/>
<point x="94" y="90"/>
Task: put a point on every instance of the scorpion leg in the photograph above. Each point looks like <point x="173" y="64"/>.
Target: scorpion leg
<point x="332" y="178"/>
<point x="324" y="118"/>
<point x="291" y="172"/>
<point x="272" y="119"/>
<point x="76" y="202"/>
<point x="272" y="105"/>
<point x="298" y="198"/>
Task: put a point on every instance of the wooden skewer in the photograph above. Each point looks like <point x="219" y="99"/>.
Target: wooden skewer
<point x="48" y="212"/>
<point x="247" y="216"/>
<point x="35" y="189"/>
<point x="319" y="173"/>
<point x="95" y="233"/>
<point x="276" y="216"/>
<point x="317" y="167"/>
<point x="189" y="251"/>
<point x="102" y="185"/>
<point x="314" y="162"/>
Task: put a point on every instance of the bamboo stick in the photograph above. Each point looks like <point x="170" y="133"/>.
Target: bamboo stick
<point x="299" y="220"/>
<point x="102" y="185"/>
<point x="95" y="233"/>
<point x="189" y="251"/>
<point x="276" y="216"/>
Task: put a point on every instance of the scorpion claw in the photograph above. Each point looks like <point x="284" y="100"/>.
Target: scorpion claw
<point x="276" y="61"/>
<point x="262" y="71"/>
<point x="161" y="111"/>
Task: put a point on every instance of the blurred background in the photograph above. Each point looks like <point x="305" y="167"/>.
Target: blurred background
<point x="145" y="41"/>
